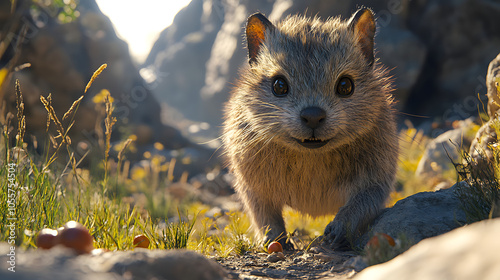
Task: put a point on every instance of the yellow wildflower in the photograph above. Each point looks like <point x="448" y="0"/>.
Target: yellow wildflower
<point x="3" y="75"/>
<point x="99" y="98"/>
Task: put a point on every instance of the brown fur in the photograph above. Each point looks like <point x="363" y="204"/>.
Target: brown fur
<point x="354" y="172"/>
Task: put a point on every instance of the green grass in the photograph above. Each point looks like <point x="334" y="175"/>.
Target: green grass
<point x="481" y="195"/>
<point x="113" y="201"/>
<point x="47" y="195"/>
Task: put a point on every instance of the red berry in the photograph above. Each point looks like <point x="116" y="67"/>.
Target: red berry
<point x="46" y="239"/>
<point x="141" y="241"/>
<point x="373" y="243"/>
<point x="75" y="235"/>
<point x="389" y="239"/>
<point x="274" y="247"/>
<point x="376" y="239"/>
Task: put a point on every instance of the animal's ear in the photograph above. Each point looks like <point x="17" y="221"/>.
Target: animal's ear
<point x="363" y="23"/>
<point x="257" y="24"/>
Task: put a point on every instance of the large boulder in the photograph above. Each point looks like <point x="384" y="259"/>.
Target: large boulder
<point x="63" y="57"/>
<point x="420" y="216"/>
<point x="469" y="252"/>
<point x="62" y="263"/>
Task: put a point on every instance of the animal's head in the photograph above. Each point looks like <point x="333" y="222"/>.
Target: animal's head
<point x="313" y="84"/>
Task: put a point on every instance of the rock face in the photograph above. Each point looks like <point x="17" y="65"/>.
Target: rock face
<point x="435" y="63"/>
<point x="61" y="263"/>
<point x="480" y="149"/>
<point x="63" y="57"/>
<point x="492" y="86"/>
<point x="453" y="73"/>
<point x="466" y="253"/>
<point x="420" y="216"/>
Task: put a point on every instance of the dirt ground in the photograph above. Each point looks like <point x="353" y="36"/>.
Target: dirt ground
<point x="315" y="264"/>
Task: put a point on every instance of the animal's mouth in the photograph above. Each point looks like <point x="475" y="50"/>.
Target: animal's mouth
<point x="312" y="143"/>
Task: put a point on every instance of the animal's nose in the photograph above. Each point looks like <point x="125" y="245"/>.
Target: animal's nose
<point x="312" y="117"/>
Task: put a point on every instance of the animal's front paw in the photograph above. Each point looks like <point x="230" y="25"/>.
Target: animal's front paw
<point x="336" y="236"/>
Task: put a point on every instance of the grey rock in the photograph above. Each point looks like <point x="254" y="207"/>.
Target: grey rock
<point x="356" y="263"/>
<point x="466" y="253"/>
<point x="275" y="257"/>
<point x="480" y="149"/>
<point x="62" y="263"/>
<point x="420" y="216"/>
<point x="170" y="264"/>
<point x="443" y="150"/>
<point x="57" y="263"/>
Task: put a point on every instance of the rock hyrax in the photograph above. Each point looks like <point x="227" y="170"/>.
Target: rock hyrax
<point x="310" y="124"/>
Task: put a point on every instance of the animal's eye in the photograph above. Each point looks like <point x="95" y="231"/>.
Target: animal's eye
<point x="280" y="86"/>
<point x="345" y="86"/>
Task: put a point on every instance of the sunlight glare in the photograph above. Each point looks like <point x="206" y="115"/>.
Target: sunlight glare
<point x="140" y="22"/>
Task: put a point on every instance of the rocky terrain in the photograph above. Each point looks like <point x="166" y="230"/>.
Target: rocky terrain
<point x="466" y="253"/>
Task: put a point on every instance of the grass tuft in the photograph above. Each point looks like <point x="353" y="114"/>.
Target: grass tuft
<point x="94" y="76"/>
<point x="21" y="118"/>
<point x="480" y="194"/>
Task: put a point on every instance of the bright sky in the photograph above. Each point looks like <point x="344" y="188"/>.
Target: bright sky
<point x="140" y="22"/>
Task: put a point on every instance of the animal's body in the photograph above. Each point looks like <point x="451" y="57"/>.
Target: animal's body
<point x="310" y="124"/>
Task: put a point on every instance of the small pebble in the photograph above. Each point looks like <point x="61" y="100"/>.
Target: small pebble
<point x="275" y="257"/>
<point x="356" y="263"/>
<point x="97" y="252"/>
<point x="250" y="263"/>
<point x="326" y="257"/>
<point x="257" y="273"/>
